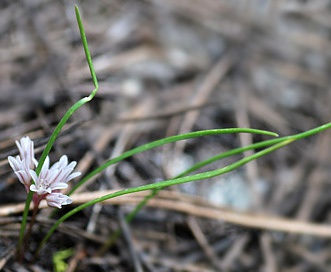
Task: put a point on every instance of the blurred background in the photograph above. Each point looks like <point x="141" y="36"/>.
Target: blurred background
<point x="164" y="68"/>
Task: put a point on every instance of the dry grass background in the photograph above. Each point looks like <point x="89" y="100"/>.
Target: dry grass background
<point x="169" y="67"/>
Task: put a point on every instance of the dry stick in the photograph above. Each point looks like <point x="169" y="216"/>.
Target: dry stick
<point x="270" y="264"/>
<point x="217" y="72"/>
<point x="190" y="207"/>
<point x="234" y="252"/>
<point x="128" y="238"/>
<point x="247" y="220"/>
<point x="203" y="242"/>
<point x="318" y="259"/>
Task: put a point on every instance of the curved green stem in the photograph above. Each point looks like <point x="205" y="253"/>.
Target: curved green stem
<point x="195" y="167"/>
<point x="168" y="140"/>
<point x="62" y="122"/>
<point x="199" y="165"/>
<point x="199" y="134"/>
<point x="277" y="143"/>
<point x="229" y="153"/>
<point x="163" y="184"/>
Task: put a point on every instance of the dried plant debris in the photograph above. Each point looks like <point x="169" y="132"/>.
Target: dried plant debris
<point x="169" y="67"/>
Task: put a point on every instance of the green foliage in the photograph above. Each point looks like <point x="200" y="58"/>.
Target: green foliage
<point x="267" y="147"/>
<point x="59" y="264"/>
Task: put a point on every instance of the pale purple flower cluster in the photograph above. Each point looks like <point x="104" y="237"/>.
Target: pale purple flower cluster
<point x="50" y="180"/>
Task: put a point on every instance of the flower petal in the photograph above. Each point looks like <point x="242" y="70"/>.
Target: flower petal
<point x="57" y="200"/>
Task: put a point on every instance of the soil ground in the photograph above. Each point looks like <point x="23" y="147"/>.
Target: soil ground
<point x="165" y="68"/>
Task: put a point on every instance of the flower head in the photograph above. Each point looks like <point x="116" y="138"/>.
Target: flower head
<point x="49" y="182"/>
<point x="24" y="162"/>
<point x="26" y="148"/>
<point x="52" y="179"/>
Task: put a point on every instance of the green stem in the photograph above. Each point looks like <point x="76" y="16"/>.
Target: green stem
<point x="197" y="166"/>
<point x="199" y="134"/>
<point x="168" y="140"/>
<point x="62" y="122"/>
<point x="163" y="184"/>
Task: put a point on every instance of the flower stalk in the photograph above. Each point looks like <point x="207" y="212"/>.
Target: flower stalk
<point x="45" y="186"/>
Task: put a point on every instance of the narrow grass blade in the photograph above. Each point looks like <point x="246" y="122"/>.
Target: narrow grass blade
<point x="164" y="184"/>
<point x="62" y="122"/>
<point x="168" y="140"/>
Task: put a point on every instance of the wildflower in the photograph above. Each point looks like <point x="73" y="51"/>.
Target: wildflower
<point x="49" y="182"/>
<point x="57" y="199"/>
<point x="23" y="163"/>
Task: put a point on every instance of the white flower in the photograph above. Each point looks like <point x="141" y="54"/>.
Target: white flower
<point x="47" y="184"/>
<point x="23" y="163"/>
<point x="57" y="200"/>
<point x="27" y="151"/>
<point x="65" y="169"/>
<point x="51" y="180"/>
<point x="47" y="181"/>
